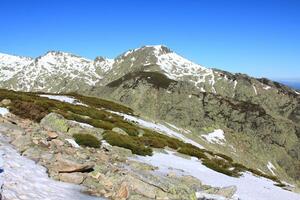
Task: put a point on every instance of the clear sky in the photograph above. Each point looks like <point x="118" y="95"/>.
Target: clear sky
<point x="261" y="38"/>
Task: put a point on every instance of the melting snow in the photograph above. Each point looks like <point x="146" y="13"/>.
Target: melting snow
<point x="63" y="99"/>
<point x="72" y="143"/>
<point x="158" y="127"/>
<point x="84" y="125"/>
<point x="215" y="137"/>
<point x="271" y="167"/>
<point x="24" y="179"/>
<point x="254" y="88"/>
<point x="249" y="187"/>
<point x="267" y="87"/>
<point x="3" y="111"/>
<point x="235" y="84"/>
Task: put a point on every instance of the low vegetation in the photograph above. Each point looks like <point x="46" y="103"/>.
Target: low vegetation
<point x="86" y="140"/>
<point x="129" y="142"/>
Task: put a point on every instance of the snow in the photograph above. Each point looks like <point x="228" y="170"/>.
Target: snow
<point x="34" y="73"/>
<point x="25" y="180"/>
<point x="249" y="187"/>
<point x="271" y="167"/>
<point x="3" y="111"/>
<point x="63" y="98"/>
<point x="72" y="143"/>
<point x="254" y="88"/>
<point x="215" y="137"/>
<point x="159" y="128"/>
<point x="84" y="125"/>
<point x="176" y="67"/>
<point x="235" y="84"/>
<point x="11" y="65"/>
<point x="267" y="87"/>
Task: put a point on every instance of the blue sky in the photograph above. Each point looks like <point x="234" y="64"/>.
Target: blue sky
<point x="260" y="38"/>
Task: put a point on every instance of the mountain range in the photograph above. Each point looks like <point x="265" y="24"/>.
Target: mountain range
<point x="260" y="118"/>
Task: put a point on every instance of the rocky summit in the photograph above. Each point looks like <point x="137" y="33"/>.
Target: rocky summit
<point x="148" y="124"/>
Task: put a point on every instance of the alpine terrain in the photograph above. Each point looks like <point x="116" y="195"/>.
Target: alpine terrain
<point x="148" y="124"/>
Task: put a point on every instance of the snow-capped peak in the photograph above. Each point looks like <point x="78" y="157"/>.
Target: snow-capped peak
<point x="6" y="58"/>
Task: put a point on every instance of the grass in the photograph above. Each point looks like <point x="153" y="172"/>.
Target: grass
<point x="87" y="140"/>
<point x="34" y="107"/>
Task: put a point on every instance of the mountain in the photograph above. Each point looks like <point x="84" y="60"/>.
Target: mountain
<point x="259" y="117"/>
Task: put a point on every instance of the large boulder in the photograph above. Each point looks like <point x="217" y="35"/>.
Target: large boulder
<point x="55" y="122"/>
<point x="63" y="165"/>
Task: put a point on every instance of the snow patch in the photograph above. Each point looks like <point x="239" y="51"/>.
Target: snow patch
<point x="62" y="98"/>
<point x="254" y="88"/>
<point x="271" y="167"/>
<point x="84" y="125"/>
<point x="3" y="111"/>
<point x="249" y="187"/>
<point x="24" y="179"/>
<point x="72" y="143"/>
<point x="159" y="128"/>
<point x="215" y="137"/>
<point x="267" y="87"/>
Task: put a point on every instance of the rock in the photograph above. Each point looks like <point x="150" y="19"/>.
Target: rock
<point x="67" y="166"/>
<point x="55" y="122"/>
<point x="52" y="135"/>
<point x="76" y="178"/>
<point x="120" y="152"/>
<point x="22" y="142"/>
<point x="205" y="196"/>
<point x="141" y="166"/>
<point x="33" y="153"/>
<point x="227" y="192"/>
<point x="123" y="192"/>
<point x="119" y="131"/>
<point x="44" y="143"/>
<point x="5" y="102"/>
<point x="57" y="142"/>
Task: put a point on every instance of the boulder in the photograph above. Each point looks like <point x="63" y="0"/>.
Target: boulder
<point x="52" y="135"/>
<point x="5" y="102"/>
<point x="57" y="142"/>
<point x="123" y="191"/>
<point x="67" y="166"/>
<point x="76" y="178"/>
<point x="55" y="122"/>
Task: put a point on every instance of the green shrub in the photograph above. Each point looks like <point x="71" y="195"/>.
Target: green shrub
<point x="192" y="151"/>
<point x="128" y="142"/>
<point x="87" y="140"/>
<point x="127" y="127"/>
<point x="158" y="140"/>
<point x="221" y="167"/>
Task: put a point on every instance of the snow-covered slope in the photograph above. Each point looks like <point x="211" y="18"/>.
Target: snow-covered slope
<point x="11" y="65"/>
<point x="52" y="72"/>
<point x="62" y="72"/>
